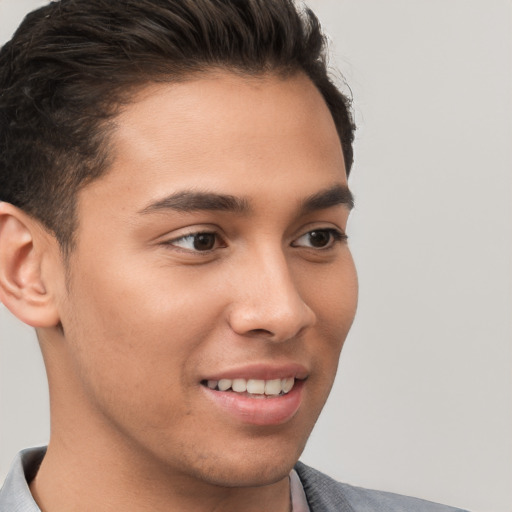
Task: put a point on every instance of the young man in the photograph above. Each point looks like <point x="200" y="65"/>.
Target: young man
<point x="173" y="178"/>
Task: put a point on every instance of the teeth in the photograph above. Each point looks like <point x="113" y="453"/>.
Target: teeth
<point x="273" y="387"/>
<point x="239" y="385"/>
<point x="255" y="387"/>
<point x="224" y="384"/>
<point x="287" y="384"/>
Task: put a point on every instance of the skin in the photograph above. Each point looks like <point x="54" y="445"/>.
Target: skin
<point x="137" y="317"/>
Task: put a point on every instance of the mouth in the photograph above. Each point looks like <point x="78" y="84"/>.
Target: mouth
<point x="255" y="388"/>
<point x="258" y="402"/>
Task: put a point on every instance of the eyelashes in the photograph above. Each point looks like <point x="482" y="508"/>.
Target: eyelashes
<point x="320" y="239"/>
<point x="202" y="241"/>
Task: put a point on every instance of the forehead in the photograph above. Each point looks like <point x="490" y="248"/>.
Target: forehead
<point x="223" y="133"/>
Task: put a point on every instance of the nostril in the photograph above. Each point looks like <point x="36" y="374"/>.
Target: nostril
<point x="276" y="317"/>
<point x="261" y="332"/>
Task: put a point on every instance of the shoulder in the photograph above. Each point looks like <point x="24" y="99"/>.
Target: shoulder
<point x="325" y="494"/>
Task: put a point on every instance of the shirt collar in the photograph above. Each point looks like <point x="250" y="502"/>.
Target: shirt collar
<point x="299" y="501"/>
<point x="15" y="494"/>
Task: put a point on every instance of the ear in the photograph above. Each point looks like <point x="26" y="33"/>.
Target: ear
<point x="24" y="249"/>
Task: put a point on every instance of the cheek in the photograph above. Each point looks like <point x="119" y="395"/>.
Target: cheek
<point x="333" y="296"/>
<point x="137" y="335"/>
<point x="332" y="293"/>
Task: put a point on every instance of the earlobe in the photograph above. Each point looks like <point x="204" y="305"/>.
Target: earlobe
<point x="22" y="283"/>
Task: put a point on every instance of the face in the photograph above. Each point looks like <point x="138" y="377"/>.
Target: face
<point x="212" y="286"/>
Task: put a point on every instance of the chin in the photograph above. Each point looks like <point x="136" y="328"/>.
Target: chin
<point x="254" y="466"/>
<point x="263" y="464"/>
<point x="250" y="473"/>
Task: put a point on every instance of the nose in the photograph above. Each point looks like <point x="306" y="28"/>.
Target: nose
<point x="267" y="301"/>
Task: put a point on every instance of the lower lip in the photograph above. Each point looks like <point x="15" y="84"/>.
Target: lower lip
<point x="259" y="411"/>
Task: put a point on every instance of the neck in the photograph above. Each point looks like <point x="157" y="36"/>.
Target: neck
<point x="92" y="464"/>
<point x="71" y="478"/>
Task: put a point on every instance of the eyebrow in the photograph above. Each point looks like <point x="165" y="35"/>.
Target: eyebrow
<point x="332" y="196"/>
<point x="191" y="201"/>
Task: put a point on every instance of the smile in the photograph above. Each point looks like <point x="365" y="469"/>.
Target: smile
<point x="258" y="387"/>
<point x="247" y="401"/>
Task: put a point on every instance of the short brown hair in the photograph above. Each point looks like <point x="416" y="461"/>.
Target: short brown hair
<point x="72" y="64"/>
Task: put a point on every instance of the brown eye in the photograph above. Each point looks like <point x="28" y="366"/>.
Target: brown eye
<point x="204" y="241"/>
<point x="320" y="239"/>
<point x="197" y="242"/>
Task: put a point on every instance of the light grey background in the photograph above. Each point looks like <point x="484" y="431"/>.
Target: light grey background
<point x="423" y="401"/>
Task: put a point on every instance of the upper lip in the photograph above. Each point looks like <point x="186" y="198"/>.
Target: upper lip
<point x="261" y="371"/>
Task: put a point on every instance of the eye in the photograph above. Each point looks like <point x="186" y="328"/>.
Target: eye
<point x="320" y="238"/>
<point x="198" y="242"/>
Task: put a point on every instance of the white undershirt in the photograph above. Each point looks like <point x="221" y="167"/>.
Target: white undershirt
<point x="299" y="501"/>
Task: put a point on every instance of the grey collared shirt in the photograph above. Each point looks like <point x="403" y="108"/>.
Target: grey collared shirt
<point x="15" y="494"/>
